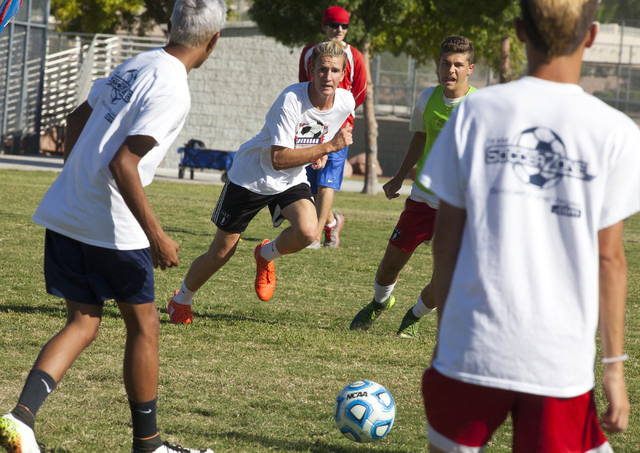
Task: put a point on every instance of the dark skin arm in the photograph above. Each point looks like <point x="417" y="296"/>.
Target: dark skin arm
<point x="76" y="121"/>
<point x="124" y="168"/>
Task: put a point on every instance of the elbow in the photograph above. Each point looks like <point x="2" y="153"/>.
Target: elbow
<point x="277" y="163"/>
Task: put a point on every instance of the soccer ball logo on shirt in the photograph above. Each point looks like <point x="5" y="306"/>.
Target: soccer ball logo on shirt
<point x="539" y="157"/>
<point x="310" y="134"/>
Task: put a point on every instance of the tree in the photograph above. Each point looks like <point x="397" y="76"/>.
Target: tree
<point x="618" y="10"/>
<point x="109" y="16"/>
<point x="415" y="27"/>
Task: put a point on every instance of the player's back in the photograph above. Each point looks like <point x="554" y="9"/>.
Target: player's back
<point x="536" y="164"/>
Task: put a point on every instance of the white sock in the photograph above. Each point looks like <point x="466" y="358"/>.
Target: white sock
<point x="184" y="296"/>
<point x="420" y="309"/>
<point x="332" y="224"/>
<point x="269" y="251"/>
<point x="382" y="293"/>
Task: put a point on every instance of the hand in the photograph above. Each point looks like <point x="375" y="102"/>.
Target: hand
<point x="616" y="417"/>
<point x="392" y="187"/>
<point x="343" y="138"/>
<point x="319" y="163"/>
<point x="164" y="252"/>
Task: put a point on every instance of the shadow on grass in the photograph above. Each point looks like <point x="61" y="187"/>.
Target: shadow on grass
<point x="319" y="446"/>
<point x="60" y="311"/>
<point x="226" y="318"/>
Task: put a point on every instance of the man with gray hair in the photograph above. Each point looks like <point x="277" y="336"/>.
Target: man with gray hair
<point x="535" y="179"/>
<point x="102" y="237"/>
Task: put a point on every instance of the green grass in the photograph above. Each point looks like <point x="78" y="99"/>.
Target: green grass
<point x="247" y="376"/>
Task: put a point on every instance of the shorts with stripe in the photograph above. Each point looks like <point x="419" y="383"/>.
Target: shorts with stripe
<point x="88" y="274"/>
<point x="462" y="417"/>
<point x="237" y="206"/>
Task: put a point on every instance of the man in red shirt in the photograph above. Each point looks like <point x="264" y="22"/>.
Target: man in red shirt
<point x="324" y="182"/>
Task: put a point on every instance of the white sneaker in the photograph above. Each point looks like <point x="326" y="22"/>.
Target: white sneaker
<point x="16" y="437"/>
<point x="168" y="448"/>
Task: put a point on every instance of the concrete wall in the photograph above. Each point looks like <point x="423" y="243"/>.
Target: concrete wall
<point x="232" y="92"/>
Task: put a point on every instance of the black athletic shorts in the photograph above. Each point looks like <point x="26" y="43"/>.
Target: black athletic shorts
<point x="237" y="206"/>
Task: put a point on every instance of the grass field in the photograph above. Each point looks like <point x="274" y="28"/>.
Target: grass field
<point x="246" y="376"/>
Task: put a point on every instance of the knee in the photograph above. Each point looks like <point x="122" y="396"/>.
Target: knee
<point x="307" y="232"/>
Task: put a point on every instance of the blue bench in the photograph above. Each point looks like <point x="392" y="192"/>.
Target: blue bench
<point x="195" y="156"/>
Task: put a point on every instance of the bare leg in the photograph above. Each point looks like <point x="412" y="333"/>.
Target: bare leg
<point x="301" y="233"/>
<point x="392" y="263"/>
<point x="140" y="369"/>
<point x="427" y="297"/>
<point x="57" y="356"/>
<point x="221" y="250"/>
<point x="324" y="203"/>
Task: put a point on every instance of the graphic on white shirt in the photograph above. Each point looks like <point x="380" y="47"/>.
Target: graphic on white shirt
<point x="310" y="134"/>
<point x="539" y="157"/>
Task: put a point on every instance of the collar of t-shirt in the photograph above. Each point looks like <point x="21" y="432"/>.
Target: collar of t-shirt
<point x="449" y="102"/>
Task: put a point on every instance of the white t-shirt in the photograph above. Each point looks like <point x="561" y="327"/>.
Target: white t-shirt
<point x="540" y="167"/>
<point x="292" y="122"/>
<point x="146" y="95"/>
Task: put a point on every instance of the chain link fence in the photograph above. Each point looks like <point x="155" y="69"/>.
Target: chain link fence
<point x="610" y="71"/>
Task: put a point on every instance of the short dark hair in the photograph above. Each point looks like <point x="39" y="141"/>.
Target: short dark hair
<point x="457" y="44"/>
<point x="557" y="28"/>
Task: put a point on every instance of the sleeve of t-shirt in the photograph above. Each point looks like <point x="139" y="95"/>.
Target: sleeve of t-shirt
<point x="417" y="117"/>
<point x="359" y="86"/>
<point x="442" y="173"/>
<point x="302" y="67"/>
<point x="96" y="91"/>
<point x="160" y="115"/>
<point x="282" y="120"/>
<point x="622" y="190"/>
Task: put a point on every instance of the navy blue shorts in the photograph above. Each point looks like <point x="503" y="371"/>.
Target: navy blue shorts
<point x="332" y="173"/>
<point x="88" y="274"/>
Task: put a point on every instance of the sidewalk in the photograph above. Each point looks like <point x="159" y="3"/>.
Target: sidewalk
<point x="44" y="163"/>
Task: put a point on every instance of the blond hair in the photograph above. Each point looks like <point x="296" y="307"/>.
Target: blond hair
<point x="332" y="49"/>
<point x="557" y="27"/>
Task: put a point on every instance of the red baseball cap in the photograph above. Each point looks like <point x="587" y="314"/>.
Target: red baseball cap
<point x="335" y="14"/>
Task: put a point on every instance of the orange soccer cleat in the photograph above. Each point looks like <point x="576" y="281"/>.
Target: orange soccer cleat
<point x="265" y="275"/>
<point x="178" y="313"/>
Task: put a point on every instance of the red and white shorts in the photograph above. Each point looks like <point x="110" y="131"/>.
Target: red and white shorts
<point x="462" y="418"/>
<point x="415" y="226"/>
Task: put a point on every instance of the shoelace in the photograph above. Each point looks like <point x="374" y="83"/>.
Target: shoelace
<point x="177" y="448"/>
<point x="327" y="234"/>
<point x="265" y="274"/>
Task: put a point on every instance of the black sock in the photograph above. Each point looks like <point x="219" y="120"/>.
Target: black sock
<point x="145" y="428"/>
<point x="38" y="386"/>
<point x="22" y="413"/>
<point x="145" y="445"/>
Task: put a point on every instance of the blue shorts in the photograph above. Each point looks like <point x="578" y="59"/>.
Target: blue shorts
<point x="332" y="173"/>
<point x="88" y="274"/>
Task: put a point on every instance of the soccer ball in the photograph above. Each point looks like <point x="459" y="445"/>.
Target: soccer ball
<point x="364" y="411"/>
<point x="543" y="147"/>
